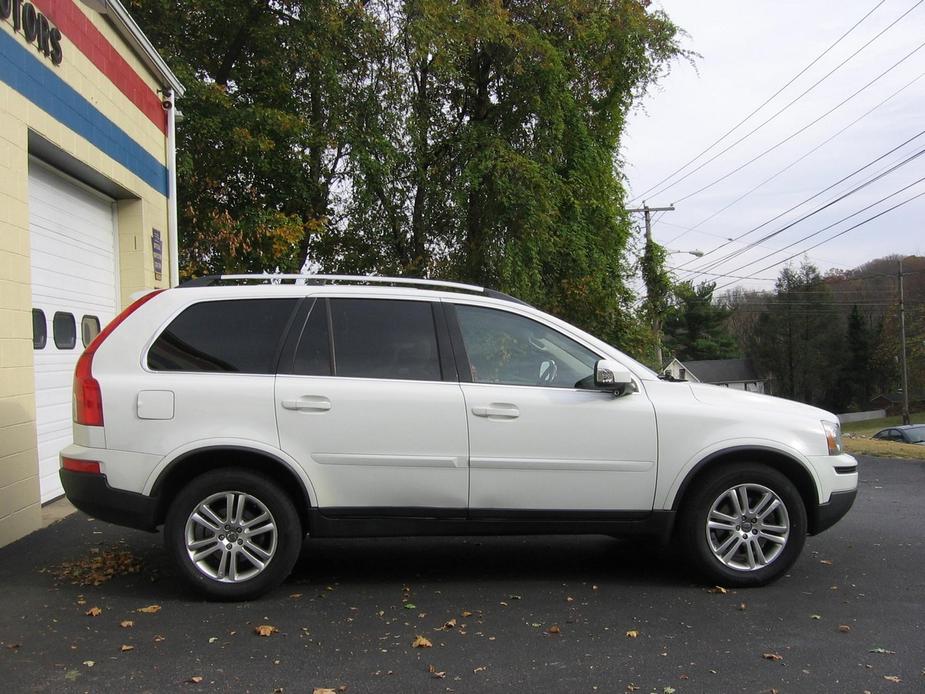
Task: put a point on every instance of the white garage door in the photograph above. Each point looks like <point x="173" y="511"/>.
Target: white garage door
<point x="74" y="283"/>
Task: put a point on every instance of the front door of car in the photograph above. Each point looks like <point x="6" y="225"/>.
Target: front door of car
<point x="539" y="437"/>
<point x="362" y="404"/>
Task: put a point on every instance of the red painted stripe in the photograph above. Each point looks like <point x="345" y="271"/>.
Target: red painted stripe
<point x="82" y="33"/>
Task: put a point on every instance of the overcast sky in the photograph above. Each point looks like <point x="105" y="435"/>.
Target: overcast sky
<point x="748" y="50"/>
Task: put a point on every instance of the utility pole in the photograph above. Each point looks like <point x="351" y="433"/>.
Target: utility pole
<point x="902" y="342"/>
<point x="652" y="290"/>
<point x="647" y="211"/>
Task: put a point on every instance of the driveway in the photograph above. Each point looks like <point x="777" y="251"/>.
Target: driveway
<point x="534" y="614"/>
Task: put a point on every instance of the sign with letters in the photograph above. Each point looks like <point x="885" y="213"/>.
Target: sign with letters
<point x="34" y="26"/>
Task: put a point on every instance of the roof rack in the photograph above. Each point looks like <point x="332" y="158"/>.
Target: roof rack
<point x="211" y="280"/>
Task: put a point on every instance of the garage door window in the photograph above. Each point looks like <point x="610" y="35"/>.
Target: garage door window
<point x="39" y="329"/>
<point x="65" y="330"/>
<point x="89" y="328"/>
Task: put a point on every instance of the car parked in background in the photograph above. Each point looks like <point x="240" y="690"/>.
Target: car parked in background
<point x="242" y="417"/>
<point x="905" y="433"/>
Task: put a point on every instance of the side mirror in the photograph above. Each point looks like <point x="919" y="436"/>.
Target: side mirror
<point x="611" y="376"/>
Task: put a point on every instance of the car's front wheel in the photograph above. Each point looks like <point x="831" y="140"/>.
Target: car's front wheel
<point x="233" y="534"/>
<point x="743" y="525"/>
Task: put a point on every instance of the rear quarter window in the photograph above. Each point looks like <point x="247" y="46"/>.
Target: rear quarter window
<point x="237" y="336"/>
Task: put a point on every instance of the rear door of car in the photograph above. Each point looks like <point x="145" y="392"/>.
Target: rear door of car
<point x="368" y="401"/>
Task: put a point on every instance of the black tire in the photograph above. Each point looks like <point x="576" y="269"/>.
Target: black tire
<point x="698" y="542"/>
<point x="283" y="547"/>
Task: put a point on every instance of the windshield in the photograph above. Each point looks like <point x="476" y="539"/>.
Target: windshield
<point x="916" y="434"/>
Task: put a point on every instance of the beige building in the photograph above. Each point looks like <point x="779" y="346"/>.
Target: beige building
<point x="87" y="216"/>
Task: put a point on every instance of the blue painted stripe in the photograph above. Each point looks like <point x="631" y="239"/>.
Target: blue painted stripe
<point x="25" y="73"/>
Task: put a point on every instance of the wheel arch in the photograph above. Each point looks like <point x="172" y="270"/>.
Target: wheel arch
<point x="193" y="463"/>
<point x="788" y="465"/>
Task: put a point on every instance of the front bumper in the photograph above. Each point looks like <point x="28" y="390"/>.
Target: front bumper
<point x="92" y="494"/>
<point x="824" y="516"/>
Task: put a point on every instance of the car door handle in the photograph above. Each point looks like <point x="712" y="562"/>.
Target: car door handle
<point x="308" y="403"/>
<point x="501" y="411"/>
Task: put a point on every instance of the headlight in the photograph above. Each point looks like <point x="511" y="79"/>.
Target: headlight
<point x="833" y="437"/>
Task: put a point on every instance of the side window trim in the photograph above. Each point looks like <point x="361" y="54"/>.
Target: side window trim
<point x="445" y="350"/>
<point x="460" y="355"/>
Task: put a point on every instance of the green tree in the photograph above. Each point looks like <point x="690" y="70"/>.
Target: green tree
<point x="467" y="139"/>
<point x="696" y="327"/>
<point x="272" y="88"/>
<point x="798" y="339"/>
<point x="492" y="157"/>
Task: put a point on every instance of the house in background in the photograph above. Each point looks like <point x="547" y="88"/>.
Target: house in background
<point x="893" y="402"/>
<point x="739" y="374"/>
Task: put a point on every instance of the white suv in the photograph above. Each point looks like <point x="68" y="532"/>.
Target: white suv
<point x="243" y="416"/>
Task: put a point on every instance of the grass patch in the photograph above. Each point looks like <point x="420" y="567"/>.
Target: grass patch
<point x="883" y="449"/>
<point x="872" y="426"/>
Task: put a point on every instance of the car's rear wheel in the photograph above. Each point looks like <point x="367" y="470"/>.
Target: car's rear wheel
<point x="233" y="534"/>
<point x="743" y="525"/>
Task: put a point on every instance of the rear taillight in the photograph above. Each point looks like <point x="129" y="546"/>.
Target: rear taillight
<point x="75" y="465"/>
<point x="88" y="399"/>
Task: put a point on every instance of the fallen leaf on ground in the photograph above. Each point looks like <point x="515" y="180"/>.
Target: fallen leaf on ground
<point x="632" y="634"/>
<point x="718" y="589"/>
<point x="94" y="612"/>
<point x="265" y="630"/>
<point x="466" y="613"/>
<point x="410" y="606"/>
<point x="844" y="628"/>
<point x="195" y="679"/>
<point x="437" y="675"/>
<point x="893" y="678"/>
<point x="324" y="690"/>
<point x="97" y="568"/>
<point x="827" y="562"/>
<point x="421" y="642"/>
<point x="554" y="629"/>
<point x="772" y="656"/>
<point x="632" y="687"/>
<point x="447" y="625"/>
<point x="126" y="624"/>
<point x="125" y="648"/>
<point x="150" y="609"/>
<point x="89" y="663"/>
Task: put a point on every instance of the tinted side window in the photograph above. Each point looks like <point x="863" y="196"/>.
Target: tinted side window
<point x="64" y="329"/>
<point x="313" y="355"/>
<point x="381" y="338"/>
<point x="508" y="349"/>
<point x="39" y="329"/>
<point x="240" y="335"/>
<point x="89" y="328"/>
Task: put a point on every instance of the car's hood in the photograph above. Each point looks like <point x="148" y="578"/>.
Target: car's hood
<point x="729" y="397"/>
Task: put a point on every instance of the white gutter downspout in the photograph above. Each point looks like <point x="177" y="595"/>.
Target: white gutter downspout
<point x="172" y="241"/>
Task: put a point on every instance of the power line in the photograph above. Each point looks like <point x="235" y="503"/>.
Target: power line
<point x="805" y="127"/>
<point x="843" y="219"/>
<point x="763" y="104"/>
<point x="835" y="236"/>
<point x="713" y="264"/>
<point x="789" y="104"/>
<point x="822" y="144"/>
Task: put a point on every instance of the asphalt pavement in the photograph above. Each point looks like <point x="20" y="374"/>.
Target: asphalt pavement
<point x="516" y="614"/>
